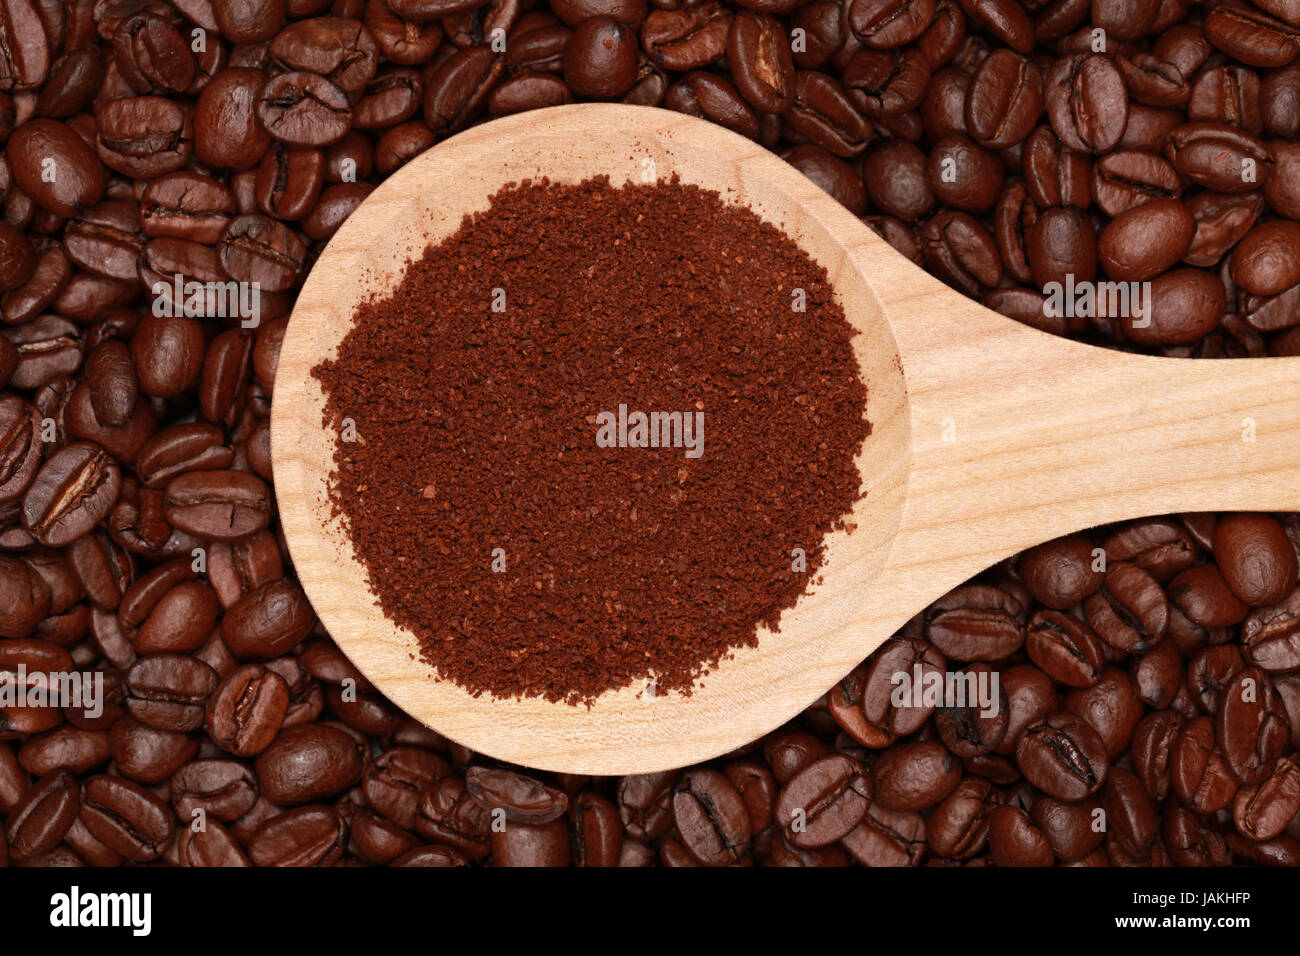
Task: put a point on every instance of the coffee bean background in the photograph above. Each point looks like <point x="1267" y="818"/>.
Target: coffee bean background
<point x="1001" y="144"/>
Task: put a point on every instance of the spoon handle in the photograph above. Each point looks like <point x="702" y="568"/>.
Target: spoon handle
<point x="1019" y="436"/>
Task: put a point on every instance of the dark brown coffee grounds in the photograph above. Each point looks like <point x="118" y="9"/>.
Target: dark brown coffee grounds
<point x="528" y="559"/>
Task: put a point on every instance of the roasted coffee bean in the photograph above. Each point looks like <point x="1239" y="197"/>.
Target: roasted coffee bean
<point x="1065" y="648"/>
<point x="823" y="113"/>
<point x="886" y="24"/>
<point x="1130" y="612"/>
<point x="247" y="709"/>
<point x="1185" y="306"/>
<point x="894" y="175"/>
<point x="1145" y="240"/>
<point x="524" y="844"/>
<point x="1251" y="728"/>
<point x="1197" y="770"/>
<point x="711" y="816"/>
<point x="1255" y="557"/>
<point x="393" y="785"/>
<point x="962" y="174"/>
<point x="958" y="826"/>
<point x="1087" y="102"/>
<point x="221" y="789"/>
<point x="1014" y="840"/>
<point x="823" y="802"/>
<point x="456" y="94"/>
<point x="304" y="109"/>
<point x="918" y="662"/>
<point x="307" y="763"/>
<point x="144" y="136"/>
<point x="307" y="836"/>
<point x="1111" y="706"/>
<point x="449" y="815"/>
<point x="1219" y="157"/>
<point x="20" y="446"/>
<point x="147" y="754"/>
<point x="832" y="174"/>
<point x="1063" y="756"/>
<point x="523" y="799"/>
<point x="112" y="381"/>
<point x="42" y="145"/>
<point x="182" y="448"/>
<point x="126" y="817"/>
<point x="268" y="621"/>
<point x="686" y="39"/>
<point x="218" y="505"/>
<point x="1004" y="19"/>
<point x="713" y="98"/>
<point x="214" y="845"/>
<point x="1157" y="675"/>
<point x="1004" y="100"/>
<point x="597" y="832"/>
<point x="1261" y="811"/>
<point x="73" y="490"/>
<point x="169" y="691"/>
<point x="48" y="348"/>
<point x="887" y="838"/>
<point x="186" y="205"/>
<point x="1204" y="597"/>
<point x="17" y="259"/>
<point x="976" y="623"/>
<point x="1251" y="36"/>
<point x="1072" y="830"/>
<point x="65" y="748"/>
<point x="168" y="353"/>
<point x="761" y="63"/>
<point x="914" y="776"/>
<point x="600" y="60"/>
<point x="1153" y="747"/>
<point x="1271" y="636"/>
<point x="42" y="817"/>
<point x="961" y="252"/>
<point x="257" y="249"/>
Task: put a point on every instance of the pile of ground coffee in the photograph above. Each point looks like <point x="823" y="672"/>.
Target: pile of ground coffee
<point x="496" y="491"/>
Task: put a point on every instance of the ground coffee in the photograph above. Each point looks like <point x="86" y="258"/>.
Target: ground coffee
<point x="601" y="434"/>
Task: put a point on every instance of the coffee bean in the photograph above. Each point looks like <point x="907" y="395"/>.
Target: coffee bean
<point x="42" y="817"/>
<point x="144" y="136"/>
<point x="914" y="776"/>
<point x="42" y="146"/>
<point x="1063" y="756"/>
<point x="304" y="764"/>
<point x="1250" y="728"/>
<point x="126" y="817"/>
<point x="711" y="817"/>
<point x="307" y="836"/>
<point x="268" y="621"/>
<point x="523" y="799"/>
<point x="70" y="494"/>
<point x="1087" y="102"/>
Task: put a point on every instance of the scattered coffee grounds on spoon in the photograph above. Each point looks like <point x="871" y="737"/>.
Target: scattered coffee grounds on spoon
<point x="601" y="434"/>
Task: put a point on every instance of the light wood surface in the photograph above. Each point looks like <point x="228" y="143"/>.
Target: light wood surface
<point x="989" y="436"/>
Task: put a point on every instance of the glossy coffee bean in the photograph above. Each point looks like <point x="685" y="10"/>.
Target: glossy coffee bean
<point x="1063" y="756"/>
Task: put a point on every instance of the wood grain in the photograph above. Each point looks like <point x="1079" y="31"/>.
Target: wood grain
<point x="988" y="437"/>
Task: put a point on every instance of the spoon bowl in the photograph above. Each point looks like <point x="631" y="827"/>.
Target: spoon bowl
<point x="987" y="437"/>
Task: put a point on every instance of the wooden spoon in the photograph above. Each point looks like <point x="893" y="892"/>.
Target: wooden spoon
<point x="989" y="437"/>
